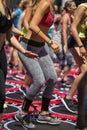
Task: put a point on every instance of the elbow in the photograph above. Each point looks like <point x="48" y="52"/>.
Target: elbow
<point x="32" y="27"/>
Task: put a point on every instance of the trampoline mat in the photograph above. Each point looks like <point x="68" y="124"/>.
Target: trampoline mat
<point x="11" y="109"/>
<point x="60" y="111"/>
<point x="13" y="125"/>
<point x="17" y="95"/>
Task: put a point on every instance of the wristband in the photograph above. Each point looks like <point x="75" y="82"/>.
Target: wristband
<point x="51" y="43"/>
<point x="22" y="34"/>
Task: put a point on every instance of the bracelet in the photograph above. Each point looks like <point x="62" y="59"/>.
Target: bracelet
<point x="81" y="46"/>
<point x="38" y="32"/>
<point x="51" y="43"/>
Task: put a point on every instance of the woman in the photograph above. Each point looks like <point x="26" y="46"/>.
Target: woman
<point x="78" y="48"/>
<point x="5" y="31"/>
<point x="64" y="56"/>
<point x="43" y="69"/>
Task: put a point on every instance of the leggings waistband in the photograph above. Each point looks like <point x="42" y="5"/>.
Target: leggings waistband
<point x="31" y="42"/>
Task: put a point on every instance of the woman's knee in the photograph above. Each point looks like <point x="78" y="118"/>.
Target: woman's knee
<point x="39" y="82"/>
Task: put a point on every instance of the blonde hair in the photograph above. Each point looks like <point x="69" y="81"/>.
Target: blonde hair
<point x="34" y="5"/>
<point x="2" y="4"/>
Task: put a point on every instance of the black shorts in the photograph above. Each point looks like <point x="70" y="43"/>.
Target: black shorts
<point x="72" y="43"/>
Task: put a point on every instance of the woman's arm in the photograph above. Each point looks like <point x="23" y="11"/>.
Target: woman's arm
<point x="80" y="11"/>
<point x="14" y="42"/>
<point x="20" y="23"/>
<point x="15" y="30"/>
<point x="64" y="29"/>
<point x="27" y="17"/>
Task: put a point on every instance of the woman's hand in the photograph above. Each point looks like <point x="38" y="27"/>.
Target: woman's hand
<point x="55" y="46"/>
<point x="31" y="55"/>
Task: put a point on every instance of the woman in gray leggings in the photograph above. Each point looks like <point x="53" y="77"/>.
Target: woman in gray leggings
<point x="43" y="68"/>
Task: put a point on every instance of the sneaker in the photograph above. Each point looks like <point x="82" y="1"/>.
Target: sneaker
<point x="48" y="119"/>
<point x="23" y="90"/>
<point x="24" y="120"/>
<point x="69" y="105"/>
<point x="65" y="83"/>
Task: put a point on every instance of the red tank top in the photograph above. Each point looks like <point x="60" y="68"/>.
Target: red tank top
<point x="47" y="20"/>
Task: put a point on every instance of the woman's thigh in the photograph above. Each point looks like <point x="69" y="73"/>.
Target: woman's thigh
<point x="76" y="55"/>
<point x="48" y="68"/>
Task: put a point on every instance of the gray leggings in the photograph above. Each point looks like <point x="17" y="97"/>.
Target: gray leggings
<point x="40" y="70"/>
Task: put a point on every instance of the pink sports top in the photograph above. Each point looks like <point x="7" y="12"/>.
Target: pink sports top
<point x="47" y="20"/>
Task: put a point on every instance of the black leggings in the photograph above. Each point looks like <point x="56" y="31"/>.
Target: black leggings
<point x="3" y="73"/>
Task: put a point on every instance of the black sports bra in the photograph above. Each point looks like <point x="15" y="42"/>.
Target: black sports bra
<point x="5" y="23"/>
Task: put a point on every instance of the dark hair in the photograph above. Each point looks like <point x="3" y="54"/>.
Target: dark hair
<point x="68" y="3"/>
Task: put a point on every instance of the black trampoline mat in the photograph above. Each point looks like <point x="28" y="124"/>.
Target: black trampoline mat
<point x="15" y="95"/>
<point x="10" y="109"/>
<point x="14" y="125"/>
<point x="19" y="96"/>
<point x="61" y="109"/>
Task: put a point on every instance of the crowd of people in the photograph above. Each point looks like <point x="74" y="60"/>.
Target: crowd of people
<point x="39" y="36"/>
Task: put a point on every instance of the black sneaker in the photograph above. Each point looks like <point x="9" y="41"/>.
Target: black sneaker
<point x="24" y="120"/>
<point x="65" y="83"/>
<point x="69" y="105"/>
<point x="48" y="119"/>
<point x="23" y="90"/>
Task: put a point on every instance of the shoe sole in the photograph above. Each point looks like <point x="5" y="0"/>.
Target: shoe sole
<point x="67" y="106"/>
<point x="22" y="124"/>
<point x="44" y="122"/>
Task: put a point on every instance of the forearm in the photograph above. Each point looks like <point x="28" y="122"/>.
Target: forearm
<point x="65" y="39"/>
<point x="14" y="42"/>
<point x="15" y="30"/>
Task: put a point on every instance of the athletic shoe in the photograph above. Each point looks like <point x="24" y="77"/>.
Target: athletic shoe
<point x="69" y="105"/>
<point x="48" y="119"/>
<point x="65" y="83"/>
<point x="23" y="90"/>
<point x="24" y="120"/>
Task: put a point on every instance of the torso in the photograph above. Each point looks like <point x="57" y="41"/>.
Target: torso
<point x="59" y="32"/>
<point x="4" y="27"/>
<point x="44" y="25"/>
<point x="82" y="27"/>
